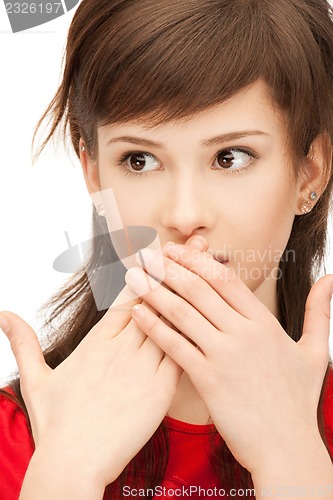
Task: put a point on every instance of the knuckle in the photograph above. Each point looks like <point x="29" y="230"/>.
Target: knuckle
<point x="317" y="310"/>
<point x="173" y="344"/>
<point x="195" y="287"/>
<point x="179" y="313"/>
<point x="226" y="276"/>
<point x="16" y="345"/>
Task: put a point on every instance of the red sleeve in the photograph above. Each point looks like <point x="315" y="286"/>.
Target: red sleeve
<point x="16" y="448"/>
<point x="328" y="411"/>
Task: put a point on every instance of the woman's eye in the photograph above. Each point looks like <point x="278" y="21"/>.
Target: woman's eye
<point x="234" y="159"/>
<point x="139" y="162"/>
<point x="231" y="160"/>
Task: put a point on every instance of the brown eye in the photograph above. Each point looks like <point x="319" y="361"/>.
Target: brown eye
<point x="137" y="161"/>
<point x="140" y="162"/>
<point x="225" y="160"/>
<point x="236" y="158"/>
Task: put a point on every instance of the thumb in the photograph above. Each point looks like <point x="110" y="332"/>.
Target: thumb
<point x="25" y="346"/>
<point x="316" y="327"/>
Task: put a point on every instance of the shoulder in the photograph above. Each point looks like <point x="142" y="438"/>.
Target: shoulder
<point x="16" y="448"/>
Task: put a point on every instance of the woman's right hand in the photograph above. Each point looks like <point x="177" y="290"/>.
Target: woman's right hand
<point x="99" y="407"/>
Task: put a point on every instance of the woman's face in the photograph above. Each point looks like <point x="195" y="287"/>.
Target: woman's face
<point x="224" y="174"/>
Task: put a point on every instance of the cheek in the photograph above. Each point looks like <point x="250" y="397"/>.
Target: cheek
<point x="267" y="203"/>
<point x="261" y="237"/>
<point x="133" y="211"/>
<point x="127" y="195"/>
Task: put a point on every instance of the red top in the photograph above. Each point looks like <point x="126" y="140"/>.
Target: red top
<point x="188" y="467"/>
<point x="188" y="464"/>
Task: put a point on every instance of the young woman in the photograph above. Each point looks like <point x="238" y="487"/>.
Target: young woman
<point x="211" y="122"/>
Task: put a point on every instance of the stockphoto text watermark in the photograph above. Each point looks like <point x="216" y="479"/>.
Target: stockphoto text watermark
<point x="247" y="265"/>
<point x="23" y="15"/>
<point x="186" y="491"/>
<point x="193" y="268"/>
<point x="297" y="490"/>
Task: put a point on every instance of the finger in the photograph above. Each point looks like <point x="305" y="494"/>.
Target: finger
<point x="177" y="310"/>
<point x="316" y="327"/>
<point x="150" y="307"/>
<point x="124" y="301"/>
<point x="132" y="332"/>
<point x="222" y="279"/>
<point x="197" y="243"/>
<point x="175" y="345"/>
<point x="192" y="287"/>
<point x="151" y="351"/>
<point x="118" y="316"/>
<point x="194" y="242"/>
<point x="25" y="346"/>
<point x="166" y="321"/>
<point x="169" y="372"/>
<point x="139" y="340"/>
<point x="148" y="347"/>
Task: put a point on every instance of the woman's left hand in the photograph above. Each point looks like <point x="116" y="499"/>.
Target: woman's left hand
<point x="260" y="386"/>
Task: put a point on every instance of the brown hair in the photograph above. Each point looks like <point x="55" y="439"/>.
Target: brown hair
<point x="158" y="60"/>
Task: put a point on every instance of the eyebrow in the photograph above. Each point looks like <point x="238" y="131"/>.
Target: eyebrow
<point x="230" y="136"/>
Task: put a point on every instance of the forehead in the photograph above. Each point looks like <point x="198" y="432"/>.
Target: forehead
<point x="250" y="109"/>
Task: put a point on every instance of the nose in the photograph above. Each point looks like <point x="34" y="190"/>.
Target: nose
<point x="188" y="207"/>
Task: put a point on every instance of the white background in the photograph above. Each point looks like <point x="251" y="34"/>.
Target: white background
<point x="37" y="203"/>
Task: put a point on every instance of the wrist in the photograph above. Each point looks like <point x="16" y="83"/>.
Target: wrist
<point x="296" y="444"/>
<point x="55" y="476"/>
<point x="306" y="464"/>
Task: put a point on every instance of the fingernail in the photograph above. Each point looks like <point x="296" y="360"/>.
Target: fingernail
<point x="134" y="276"/>
<point x="166" y="247"/>
<point x="145" y="256"/>
<point x="138" y="281"/>
<point x="138" y="312"/>
<point x="176" y="250"/>
<point x="4" y="324"/>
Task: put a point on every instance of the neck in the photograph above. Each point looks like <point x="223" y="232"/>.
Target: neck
<point x="266" y="293"/>
<point x="187" y="405"/>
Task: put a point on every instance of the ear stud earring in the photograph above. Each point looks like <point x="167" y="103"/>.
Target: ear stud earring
<point x="307" y="205"/>
<point x="101" y="210"/>
<point x="83" y="148"/>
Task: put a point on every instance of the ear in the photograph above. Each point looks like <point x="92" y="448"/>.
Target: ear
<point x="91" y="174"/>
<point x="89" y="169"/>
<point x="313" y="176"/>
